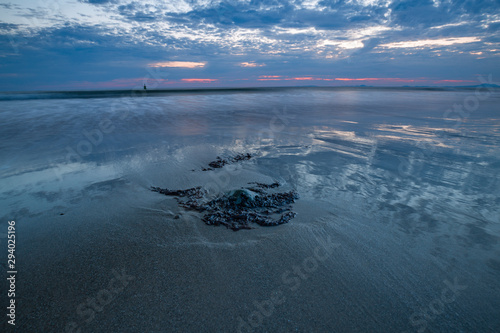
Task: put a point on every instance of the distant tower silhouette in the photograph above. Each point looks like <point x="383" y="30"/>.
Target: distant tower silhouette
<point x="144" y="86"/>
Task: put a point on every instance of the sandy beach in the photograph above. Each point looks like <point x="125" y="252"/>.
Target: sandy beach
<point x="397" y="226"/>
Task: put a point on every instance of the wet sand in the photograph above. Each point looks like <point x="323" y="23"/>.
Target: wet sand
<point x="375" y="246"/>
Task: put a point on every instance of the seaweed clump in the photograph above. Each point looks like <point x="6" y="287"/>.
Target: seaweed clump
<point x="220" y="162"/>
<point x="239" y="208"/>
<point x="194" y="196"/>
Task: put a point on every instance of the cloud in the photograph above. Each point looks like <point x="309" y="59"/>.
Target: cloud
<point x="248" y="14"/>
<point x="454" y="81"/>
<point x="179" y="64"/>
<point x="250" y="64"/>
<point x="297" y="40"/>
<point x="98" y="2"/>
<point x="286" y="78"/>
<point x="308" y="78"/>
<point x="419" y="12"/>
<point x="270" y="78"/>
<point x="431" y="42"/>
<point x="382" y="79"/>
<point x="350" y="44"/>
<point x="199" y="80"/>
<point x="8" y="26"/>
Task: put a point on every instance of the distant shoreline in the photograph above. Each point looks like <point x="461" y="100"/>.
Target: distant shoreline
<point x="69" y="94"/>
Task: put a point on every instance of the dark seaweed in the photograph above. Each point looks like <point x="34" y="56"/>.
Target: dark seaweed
<point x="220" y="162"/>
<point x="262" y="185"/>
<point x="191" y="192"/>
<point x="194" y="195"/>
<point x="239" y="208"/>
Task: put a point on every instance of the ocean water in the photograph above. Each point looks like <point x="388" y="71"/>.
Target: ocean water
<point x="377" y="143"/>
<point x="412" y="169"/>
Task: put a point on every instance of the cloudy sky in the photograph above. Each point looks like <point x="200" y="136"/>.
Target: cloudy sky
<point x="121" y="44"/>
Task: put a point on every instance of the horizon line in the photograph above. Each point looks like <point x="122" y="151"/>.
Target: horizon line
<point x="140" y="89"/>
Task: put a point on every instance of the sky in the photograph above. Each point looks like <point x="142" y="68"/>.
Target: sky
<point x="123" y="44"/>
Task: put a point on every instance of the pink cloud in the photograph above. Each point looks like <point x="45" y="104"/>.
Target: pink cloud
<point x="279" y="78"/>
<point x="199" y="80"/>
<point x="269" y="76"/>
<point x="454" y="81"/>
<point x="301" y="78"/>
<point x="384" y="79"/>
<point x="308" y="78"/>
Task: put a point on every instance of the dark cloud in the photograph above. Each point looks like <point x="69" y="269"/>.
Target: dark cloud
<point x="264" y="14"/>
<point x="9" y="26"/>
<point x="98" y="2"/>
<point x="475" y="6"/>
<point x="337" y="19"/>
<point x="141" y="13"/>
<point x="419" y="12"/>
<point x="233" y="13"/>
<point x="425" y="13"/>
